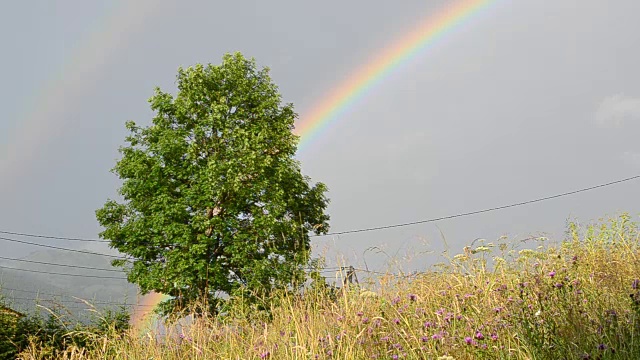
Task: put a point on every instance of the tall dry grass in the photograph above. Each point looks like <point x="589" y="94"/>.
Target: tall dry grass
<point x="579" y="299"/>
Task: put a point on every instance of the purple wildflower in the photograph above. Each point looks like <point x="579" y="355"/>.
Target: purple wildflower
<point x="265" y="355"/>
<point x="494" y="337"/>
<point x="552" y="274"/>
<point x="365" y="320"/>
<point x="479" y="335"/>
<point x="359" y="313"/>
<point x="396" y="321"/>
<point x="468" y="340"/>
<point x="413" y="297"/>
<point x="602" y="347"/>
<point x="424" y="339"/>
<point x="558" y="285"/>
<point x="385" y="338"/>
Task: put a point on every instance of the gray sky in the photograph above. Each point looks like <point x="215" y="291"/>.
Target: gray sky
<point x="526" y="99"/>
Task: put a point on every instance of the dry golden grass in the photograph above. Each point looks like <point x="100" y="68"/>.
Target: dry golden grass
<point x="577" y="300"/>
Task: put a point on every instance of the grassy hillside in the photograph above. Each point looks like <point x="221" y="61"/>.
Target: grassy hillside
<point x="579" y="299"/>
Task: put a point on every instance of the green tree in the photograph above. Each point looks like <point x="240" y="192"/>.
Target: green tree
<point x="214" y="201"/>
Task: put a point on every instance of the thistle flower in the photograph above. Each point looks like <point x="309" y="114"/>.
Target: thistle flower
<point x="428" y="324"/>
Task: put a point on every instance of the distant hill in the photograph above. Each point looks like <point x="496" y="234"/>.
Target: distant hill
<point x="20" y="288"/>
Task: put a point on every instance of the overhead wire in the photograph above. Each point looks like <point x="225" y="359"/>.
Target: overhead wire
<point x="63" y="274"/>
<point x="61" y="265"/>
<point x="364" y="229"/>
<point x="63" y="295"/>
<point x="479" y="211"/>
<point x="51" y="237"/>
<point x="61" y="248"/>
<point x="78" y="302"/>
<point x="333" y="233"/>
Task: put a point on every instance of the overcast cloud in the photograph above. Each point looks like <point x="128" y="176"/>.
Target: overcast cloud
<point x="507" y="108"/>
<point x="618" y="109"/>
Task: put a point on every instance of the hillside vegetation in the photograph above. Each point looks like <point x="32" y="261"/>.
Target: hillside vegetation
<point x="578" y="299"/>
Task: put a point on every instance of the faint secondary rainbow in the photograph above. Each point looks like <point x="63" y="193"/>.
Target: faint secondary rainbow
<point x="48" y="113"/>
<point x="345" y="95"/>
<point x="47" y="116"/>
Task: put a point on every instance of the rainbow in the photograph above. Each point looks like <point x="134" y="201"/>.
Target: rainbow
<point x="142" y="317"/>
<point x="38" y="126"/>
<point x="344" y="96"/>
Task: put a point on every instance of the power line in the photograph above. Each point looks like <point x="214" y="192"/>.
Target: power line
<point x="69" y="296"/>
<point x="479" y="211"/>
<point x="79" y="302"/>
<point x="51" y="237"/>
<point x="61" y="248"/>
<point x="63" y="274"/>
<point x="30" y="291"/>
<point x="61" y="265"/>
<point x="346" y="231"/>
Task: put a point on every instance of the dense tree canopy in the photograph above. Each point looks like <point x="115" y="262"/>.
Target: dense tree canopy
<point x="213" y="199"/>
